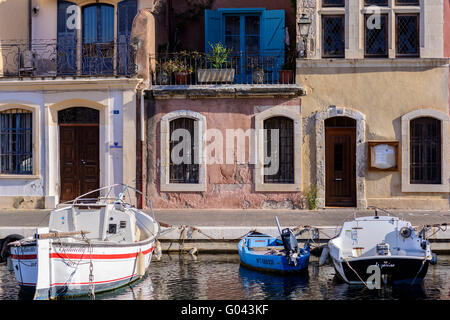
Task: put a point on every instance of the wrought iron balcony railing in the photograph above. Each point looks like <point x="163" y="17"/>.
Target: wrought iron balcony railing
<point x="193" y="68"/>
<point x="50" y="58"/>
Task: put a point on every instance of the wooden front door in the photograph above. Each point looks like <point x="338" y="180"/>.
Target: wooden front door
<point x="340" y="146"/>
<point x="79" y="160"/>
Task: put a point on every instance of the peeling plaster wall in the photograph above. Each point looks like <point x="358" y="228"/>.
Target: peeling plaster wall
<point x="229" y="186"/>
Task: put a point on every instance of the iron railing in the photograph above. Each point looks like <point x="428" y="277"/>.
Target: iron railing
<point x="66" y="57"/>
<point x="194" y="68"/>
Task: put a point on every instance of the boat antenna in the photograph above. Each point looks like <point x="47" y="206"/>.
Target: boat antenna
<point x="278" y="225"/>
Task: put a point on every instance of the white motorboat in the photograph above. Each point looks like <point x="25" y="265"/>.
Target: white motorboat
<point x="386" y="242"/>
<point x="91" y="246"/>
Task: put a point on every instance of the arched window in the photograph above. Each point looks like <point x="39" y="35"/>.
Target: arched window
<point x="184" y="166"/>
<point x="425" y="151"/>
<point x="16" y="137"/>
<point x="280" y="152"/>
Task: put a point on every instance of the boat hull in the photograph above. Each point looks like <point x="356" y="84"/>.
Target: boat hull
<point x="270" y="262"/>
<point x="71" y="266"/>
<point x="396" y="270"/>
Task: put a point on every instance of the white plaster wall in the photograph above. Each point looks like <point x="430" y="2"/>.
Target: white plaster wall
<point x="29" y="187"/>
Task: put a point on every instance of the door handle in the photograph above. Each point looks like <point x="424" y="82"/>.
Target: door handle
<point x="338" y="179"/>
<point x="83" y="162"/>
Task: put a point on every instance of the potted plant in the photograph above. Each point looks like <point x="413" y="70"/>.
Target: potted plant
<point x="253" y="63"/>
<point x="287" y="70"/>
<point x="220" y="68"/>
<point x="165" y="71"/>
<point x="183" y="73"/>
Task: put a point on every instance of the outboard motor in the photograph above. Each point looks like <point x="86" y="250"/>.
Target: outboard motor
<point x="290" y="245"/>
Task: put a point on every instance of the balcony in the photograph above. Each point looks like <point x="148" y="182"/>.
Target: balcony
<point x="202" y="69"/>
<point x="52" y="58"/>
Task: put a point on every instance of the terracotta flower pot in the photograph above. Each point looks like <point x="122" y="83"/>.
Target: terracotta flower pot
<point x="286" y="76"/>
<point x="182" y="78"/>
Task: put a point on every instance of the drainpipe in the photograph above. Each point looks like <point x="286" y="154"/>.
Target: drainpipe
<point x="140" y="146"/>
<point x="30" y="26"/>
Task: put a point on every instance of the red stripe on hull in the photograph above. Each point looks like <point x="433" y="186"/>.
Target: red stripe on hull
<point x="83" y="256"/>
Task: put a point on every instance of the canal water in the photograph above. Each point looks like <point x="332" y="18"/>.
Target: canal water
<point x="220" y="277"/>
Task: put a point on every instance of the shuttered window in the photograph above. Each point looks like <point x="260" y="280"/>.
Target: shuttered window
<point x="16" y="136"/>
<point x="283" y="149"/>
<point x="425" y="151"/>
<point x="183" y="168"/>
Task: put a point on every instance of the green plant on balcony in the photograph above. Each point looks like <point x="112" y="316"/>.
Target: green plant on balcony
<point x="218" y="55"/>
<point x="219" y="68"/>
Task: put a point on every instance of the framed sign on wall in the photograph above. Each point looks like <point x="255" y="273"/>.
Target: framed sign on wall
<point x="383" y="155"/>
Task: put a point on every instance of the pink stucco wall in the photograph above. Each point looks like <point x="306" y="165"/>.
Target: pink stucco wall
<point x="229" y="186"/>
<point x="447" y="30"/>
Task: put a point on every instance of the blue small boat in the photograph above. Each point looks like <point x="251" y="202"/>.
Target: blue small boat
<point x="265" y="253"/>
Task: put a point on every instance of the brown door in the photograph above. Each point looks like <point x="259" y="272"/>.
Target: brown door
<point x="340" y="146"/>
<point x="79" y="152"/>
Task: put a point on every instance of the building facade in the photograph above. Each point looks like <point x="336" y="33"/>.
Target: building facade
<point x="380" y="65"/>
<point x="68" y="99"/>
<point x="369" y="108"/>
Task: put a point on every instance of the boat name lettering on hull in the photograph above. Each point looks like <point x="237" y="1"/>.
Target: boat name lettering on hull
<point x="385" y="264"/>
<point x="264" y="261"/>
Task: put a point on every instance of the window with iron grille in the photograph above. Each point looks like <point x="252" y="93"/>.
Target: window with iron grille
<point x="187" y="171"/>
<point x="407" y="26"/>
<point x="425" y="153"/>
<point x="376" y="36"/>
<point x="16" y="142"/>
<point x="333" y="3"/>
<point x="333" y="36"/>
<point x="285" y="149"/>
<point x="376" y="2"/>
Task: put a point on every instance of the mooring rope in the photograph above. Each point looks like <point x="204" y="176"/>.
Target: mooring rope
<point x="351" y="268"/>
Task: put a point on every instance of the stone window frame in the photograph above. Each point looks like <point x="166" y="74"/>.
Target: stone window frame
<point x="165" y="185"/>
<point x="262" y="114"/>
<point x="36" y="138"/>
<point x="361" y="153"/>
<point x="445" y="151"/>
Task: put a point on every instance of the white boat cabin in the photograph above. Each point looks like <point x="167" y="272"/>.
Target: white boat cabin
<point x="104" y="222"/>
<point x="382" y="235"/>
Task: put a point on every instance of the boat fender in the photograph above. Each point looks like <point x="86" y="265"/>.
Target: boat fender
<point x="433" y="258"/>
<point x="158" y="251"/>
<point x="405" y="232"/>
<point x="324" y="256"/>
<point x="4" y="253"/>
<point x="140" y="264"/>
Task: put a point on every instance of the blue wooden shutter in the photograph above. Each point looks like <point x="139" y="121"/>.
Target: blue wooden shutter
<point x="126" y="12"/>
<point x="67" y="41"/>
<point x="272" y="37"/>
<point x="212" y="28"/>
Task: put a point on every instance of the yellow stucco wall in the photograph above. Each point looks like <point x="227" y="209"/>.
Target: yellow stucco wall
<point x="13" y="19"/>
<point x="383" y="91"/>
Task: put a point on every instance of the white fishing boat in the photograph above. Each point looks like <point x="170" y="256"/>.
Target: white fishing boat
<point x="92" y="245"/>
<point x="385" y="243"/>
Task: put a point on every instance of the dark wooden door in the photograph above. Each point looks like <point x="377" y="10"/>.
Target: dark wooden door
<point x="79" y="160"/>
<point x="340" y="146"/>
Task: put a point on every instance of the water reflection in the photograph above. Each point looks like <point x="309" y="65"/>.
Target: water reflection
<point x="263" y="285"/>
<point x="220" y="277"/>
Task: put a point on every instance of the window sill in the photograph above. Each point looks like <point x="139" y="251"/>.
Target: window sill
<point x="277" y="187"/>
<point x="426" y="188"/>
<point x="183" y="187"/>
<point x="20" y="176"/>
